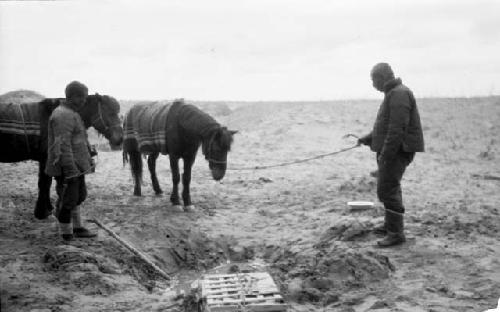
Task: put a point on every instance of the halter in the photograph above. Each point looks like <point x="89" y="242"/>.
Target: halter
<point x="207" y="154"/>
<point x="99" y="118"/>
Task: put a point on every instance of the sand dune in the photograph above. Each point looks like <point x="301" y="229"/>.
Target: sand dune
<point x="292" y="219"/>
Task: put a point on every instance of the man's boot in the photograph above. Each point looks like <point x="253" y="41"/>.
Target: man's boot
<point x="381" y="229"/>
<point x="66" y="230"/>
<point x="78" y="229"/>
<point x="395" y="230"/>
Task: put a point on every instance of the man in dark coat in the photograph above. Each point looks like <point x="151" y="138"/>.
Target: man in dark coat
<point x="396" y="137"/>
<point x="69" y="160"/>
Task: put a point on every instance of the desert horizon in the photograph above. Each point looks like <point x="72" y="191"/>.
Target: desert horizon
<point x="21" y="93"/>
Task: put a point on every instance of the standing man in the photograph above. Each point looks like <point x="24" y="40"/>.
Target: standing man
<point x="396" y="136"/>
<point x="69" y="160"/>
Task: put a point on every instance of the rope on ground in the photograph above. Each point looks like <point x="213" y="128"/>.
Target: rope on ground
<point x="298" y="161"/>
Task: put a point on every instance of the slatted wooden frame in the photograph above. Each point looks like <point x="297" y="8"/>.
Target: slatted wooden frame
<point x="254" y="292"/>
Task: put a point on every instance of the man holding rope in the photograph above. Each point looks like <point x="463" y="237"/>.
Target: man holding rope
<point x="396" y="136"/>
<point x="69" y="160"/>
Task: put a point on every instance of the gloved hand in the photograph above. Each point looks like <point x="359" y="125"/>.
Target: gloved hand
<point x="366" y="140"/>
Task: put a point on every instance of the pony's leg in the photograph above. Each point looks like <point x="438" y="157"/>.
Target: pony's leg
<point x="136" y="168"/>
<point x="43" y="207"/>
<point x="176" y="177"/>
<point x="186" y="181"/>
<point x="152" y="170"/>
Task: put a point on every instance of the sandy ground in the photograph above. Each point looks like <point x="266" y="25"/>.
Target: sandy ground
<point x="292" y="220"/>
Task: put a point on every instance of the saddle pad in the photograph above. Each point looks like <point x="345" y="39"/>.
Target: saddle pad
<point x="20" y="119"/>
<point x="146" y="123"/>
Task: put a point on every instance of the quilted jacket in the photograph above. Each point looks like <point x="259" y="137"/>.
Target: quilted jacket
<point x="397" y="126"/>
<point x="68" y="147"/>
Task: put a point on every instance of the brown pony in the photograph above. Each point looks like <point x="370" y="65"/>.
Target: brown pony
<point x="176" y="129"/>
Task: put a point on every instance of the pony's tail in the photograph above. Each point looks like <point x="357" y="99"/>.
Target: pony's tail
<point x="135" y="160"/>
<point x="125" y="158"/>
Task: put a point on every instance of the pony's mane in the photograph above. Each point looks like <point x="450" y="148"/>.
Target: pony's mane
<point x="48" y="105"/>
<point x="196" y="120"/>
<point x="112" y="103"/>
<point x="108" y="101"/>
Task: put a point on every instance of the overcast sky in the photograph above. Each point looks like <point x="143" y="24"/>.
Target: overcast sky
<point x="249" y="50"/>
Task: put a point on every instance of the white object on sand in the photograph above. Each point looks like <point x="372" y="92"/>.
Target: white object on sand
<point x="360" y="204"/>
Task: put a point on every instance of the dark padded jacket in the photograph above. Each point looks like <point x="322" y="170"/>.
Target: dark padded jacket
<point x="397" y="126"/>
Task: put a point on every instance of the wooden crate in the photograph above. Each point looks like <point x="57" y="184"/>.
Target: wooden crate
<point x="254" y="292"/>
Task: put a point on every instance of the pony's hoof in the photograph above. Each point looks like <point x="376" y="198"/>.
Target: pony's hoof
<point x="189" y="208"/>
<point x="138" y="194"/>
<point x="158" y="193"/>
<point x="42" y="214"/>
<point x="177" y="208"/>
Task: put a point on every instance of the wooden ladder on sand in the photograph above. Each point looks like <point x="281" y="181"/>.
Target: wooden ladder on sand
<point x="254" y="292"/>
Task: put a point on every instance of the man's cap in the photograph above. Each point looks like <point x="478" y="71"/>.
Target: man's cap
<point x="76" y="88"/>
<point x="383" y="69"/>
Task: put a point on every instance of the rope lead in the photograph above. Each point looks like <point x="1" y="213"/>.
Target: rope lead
<point x="284" y="164"/>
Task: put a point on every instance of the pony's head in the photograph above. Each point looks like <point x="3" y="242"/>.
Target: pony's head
<point x="102" y="113"/>
<point x="215" y="149"/>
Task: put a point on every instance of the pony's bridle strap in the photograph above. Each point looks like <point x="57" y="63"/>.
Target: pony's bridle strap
<point x="100" y="119"/>
<point x="207" y="152"/>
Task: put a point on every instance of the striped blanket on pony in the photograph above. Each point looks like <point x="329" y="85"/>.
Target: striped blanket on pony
<point x="145" y="125"/>
<point x="20" y="127"/>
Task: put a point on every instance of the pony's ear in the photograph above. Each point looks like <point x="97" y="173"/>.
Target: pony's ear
<point x="233" y="132"/>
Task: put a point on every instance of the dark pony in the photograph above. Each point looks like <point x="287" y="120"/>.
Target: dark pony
<point x="23" y="128"/>
<point x="180" y="130"/>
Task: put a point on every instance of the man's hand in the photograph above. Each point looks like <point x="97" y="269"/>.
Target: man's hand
<point x="365" y="140"/>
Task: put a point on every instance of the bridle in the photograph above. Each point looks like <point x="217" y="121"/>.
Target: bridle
<point x="207" y="152"/>
<point x="100" y="119"/>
